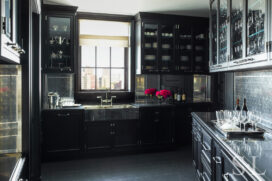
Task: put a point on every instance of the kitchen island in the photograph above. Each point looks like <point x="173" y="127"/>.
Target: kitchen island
<point x="218" y="158"/>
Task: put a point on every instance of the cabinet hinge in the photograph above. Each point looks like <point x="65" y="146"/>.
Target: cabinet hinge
<point x="269" y="46"/>
<point x="4" y="25"/>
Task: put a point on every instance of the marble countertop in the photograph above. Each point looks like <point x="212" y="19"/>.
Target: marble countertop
<point x="253" y="153"/>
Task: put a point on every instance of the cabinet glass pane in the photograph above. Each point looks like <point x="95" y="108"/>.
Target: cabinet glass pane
<point x="223" y="27"/>
<point x="59" y="43"/>
<point x="236" y="29"/>
<point x="10" y="109"/>
<point x="167" y="46"/>
<point x="214" y="32"/>
<point x="255" y="27"/>
<point x="185" y="49"/>
<point x="150" y="44"/>
<point x="8" y="17"/>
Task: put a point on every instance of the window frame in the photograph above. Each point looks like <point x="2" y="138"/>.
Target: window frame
<point x="110" y="68"/>
<point x="131" y="53"/>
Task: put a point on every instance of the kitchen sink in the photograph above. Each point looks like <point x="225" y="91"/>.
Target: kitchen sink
<point x="118" y="106"/>
<point x="108" y="112"/>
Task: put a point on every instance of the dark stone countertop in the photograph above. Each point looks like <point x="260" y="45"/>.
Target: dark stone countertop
<point x="7" y="165"/>
<point x="257" y="161"/>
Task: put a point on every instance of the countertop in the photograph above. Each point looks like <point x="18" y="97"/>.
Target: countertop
<point x="253" y="154"/>
<point x="8" y="164"/>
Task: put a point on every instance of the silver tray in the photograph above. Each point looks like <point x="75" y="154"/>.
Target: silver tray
<point x="257" y="133"/>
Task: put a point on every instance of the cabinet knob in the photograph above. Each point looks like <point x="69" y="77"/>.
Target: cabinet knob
<point x="217" y="160"/>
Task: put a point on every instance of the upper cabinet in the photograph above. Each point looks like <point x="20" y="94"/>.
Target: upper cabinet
<point x="239" y="34"/>
<point x="171" y="44"/>
<point x="10" y="39"/>
<point x="58" y="38"/>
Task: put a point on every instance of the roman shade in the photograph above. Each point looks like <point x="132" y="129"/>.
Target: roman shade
<point x="104" y="33"/>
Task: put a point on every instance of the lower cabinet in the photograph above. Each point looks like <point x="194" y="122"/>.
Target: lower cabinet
<point x="61" y="131"/>
<point x="98" y="135"/>
<point x="211" y="162"/>
<point x="156" y="126"/>
<point x="126" y="133"/>
<point x="111" y="134"/>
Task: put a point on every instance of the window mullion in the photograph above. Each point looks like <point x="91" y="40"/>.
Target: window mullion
<point x="110" y="67"/>
<point x="95" y="68"/>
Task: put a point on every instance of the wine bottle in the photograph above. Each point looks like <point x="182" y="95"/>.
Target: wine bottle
<point x="183" y="96"/>
<point x="244" y="106"/>
<point x="237" y="107"/>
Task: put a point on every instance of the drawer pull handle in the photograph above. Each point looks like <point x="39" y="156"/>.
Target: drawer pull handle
<point x="226" y="177"/>
<point x="63" y="115"/>
<point x="206" y="148"/>
<point x="217" y="160"/>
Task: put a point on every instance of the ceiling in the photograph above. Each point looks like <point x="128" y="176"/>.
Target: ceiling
<point x="131" y="7"/>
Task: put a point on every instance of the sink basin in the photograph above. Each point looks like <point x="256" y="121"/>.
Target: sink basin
<point x="120" y="106"/>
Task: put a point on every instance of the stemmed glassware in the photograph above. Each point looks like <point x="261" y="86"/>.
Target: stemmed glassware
<point x="243" y="120"/>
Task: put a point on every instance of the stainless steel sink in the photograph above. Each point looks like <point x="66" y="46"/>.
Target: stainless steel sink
<point x="108" y="112"/>
<point x="119" y="106"/>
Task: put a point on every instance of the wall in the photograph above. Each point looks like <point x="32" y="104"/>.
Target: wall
<point x="255" y="86"/>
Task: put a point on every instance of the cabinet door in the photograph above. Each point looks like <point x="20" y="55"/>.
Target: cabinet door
<point x="150" y="47"/>
<point x="231" y="172"/>
<point x="62" y="131"/>
<point x="58" y="50"/>
<point x="126" y="133"/>
<point x="201" y="47"/>
<point x="256" y="29"/>
<point x="148" y="128"/>
<point x="10" y="31"/>
<point x="213" y="32"/>
<point x="165" y="127"/>
<point x="167" y="47"/>
<point x="217" y="163"/>
<point x="223" y="31"/>
<point x="99" y="135"/>
<point x="184" y="49"/>
<point x="237" y="29"/>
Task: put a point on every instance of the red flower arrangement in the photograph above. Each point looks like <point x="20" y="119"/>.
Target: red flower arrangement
<point x="150" y="91"/>
<point x="163" y="94"/>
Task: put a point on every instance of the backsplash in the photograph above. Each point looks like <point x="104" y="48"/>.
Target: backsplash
<point x="256" y="87"/>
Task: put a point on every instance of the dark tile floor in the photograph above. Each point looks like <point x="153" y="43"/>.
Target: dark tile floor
<point x="162" y="166"/>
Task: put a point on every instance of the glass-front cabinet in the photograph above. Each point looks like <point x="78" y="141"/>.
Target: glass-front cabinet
<point x="223" y="31"/>
<point x="10" y="30"/>
<point x="242" y="34"/>
<point x="236" y="29"/>
<point x="213" y="32"/>
<point x="256" y="34"/>
<point x="58" y="40"/>
<point x="150" y="47"/>
<point x="184" y="48"/>
<point x="167" y="47"/>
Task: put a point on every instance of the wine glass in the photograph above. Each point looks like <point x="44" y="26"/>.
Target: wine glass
<point x="243" y="119"/>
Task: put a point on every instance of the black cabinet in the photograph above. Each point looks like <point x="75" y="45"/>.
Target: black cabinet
<point x="62" y="131"/>
<point x="171" y="44"/>
<point x="126" y="133"/>
<point x="157" y="126"/>
<point x="58" y="38"/>
<point x="10" y="31"/>
<point x="103" y="135"/>
<point x="217" y="162"/>
<point x="99" y="135"/>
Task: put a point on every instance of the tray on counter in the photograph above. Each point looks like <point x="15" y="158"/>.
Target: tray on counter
<point x="237" y="132"/>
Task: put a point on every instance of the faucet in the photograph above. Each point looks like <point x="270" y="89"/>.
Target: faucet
<point x="106" y="100"/>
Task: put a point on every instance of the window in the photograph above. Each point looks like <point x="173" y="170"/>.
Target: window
<point x="104" y="51"/>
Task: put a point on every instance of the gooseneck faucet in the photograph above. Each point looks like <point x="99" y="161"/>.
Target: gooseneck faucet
<point x="106" y="100"/>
